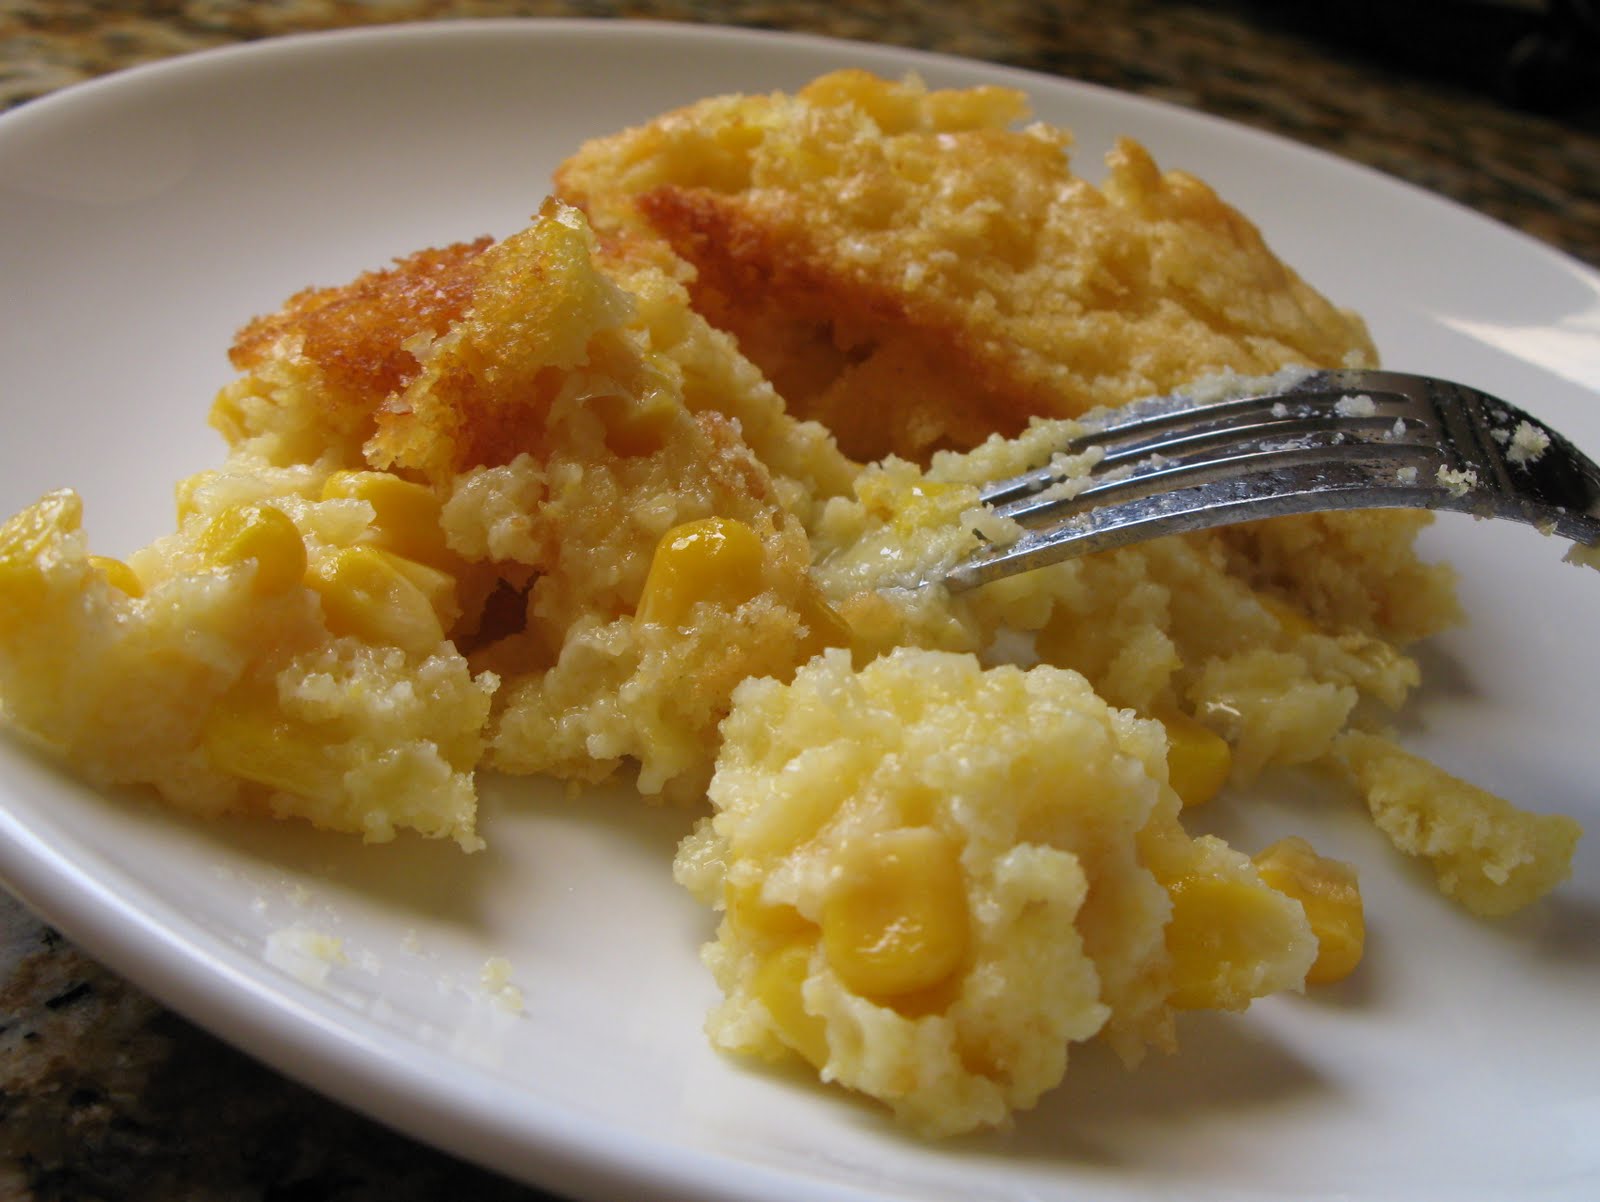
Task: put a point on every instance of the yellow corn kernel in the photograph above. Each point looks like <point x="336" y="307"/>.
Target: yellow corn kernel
<point x="1198" y="759"/>
<point x="261" y="533"/>
<point x="438" y="587"/>
<point x="246" y="738"/>
<point x="761" y="919"/>
<point x="895" y="919"/>
<point x="405" y="513"/>
<point x="365" y="595"/>
<point x="118" y="575"/>
<point x="777" y="986"/>
<point x="1221" y="929"/>
<point x="1291" y="619"/>
<point x="1331" y="896"/>
<point x="824" y="625"/>
<point x="714" y="559"/>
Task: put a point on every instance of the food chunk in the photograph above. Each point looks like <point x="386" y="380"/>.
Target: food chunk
<point x="644" y="559"/>
<point x="531" y="433"/>
<point x="1486" y="853"/>
<point x="915" y="271"/>
<point x="242" y="665"/>
<point x="936" y="877"/>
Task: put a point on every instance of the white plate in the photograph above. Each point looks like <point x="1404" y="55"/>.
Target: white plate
<point x="143" y="217"/>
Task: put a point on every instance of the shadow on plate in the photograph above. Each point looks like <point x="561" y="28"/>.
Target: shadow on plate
<point x="1560" y="930"/>
<point x="1226" y="1069"/>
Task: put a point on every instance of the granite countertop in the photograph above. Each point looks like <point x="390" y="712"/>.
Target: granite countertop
<point x="103" y="1093"/>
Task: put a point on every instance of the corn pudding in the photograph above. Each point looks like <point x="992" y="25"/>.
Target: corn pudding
<point x="910" y="269"/>
<point x="660" y="488"/>
<point x="935" y="877"/>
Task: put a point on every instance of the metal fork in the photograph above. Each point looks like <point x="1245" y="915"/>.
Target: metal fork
<point x="1328" y="440"/>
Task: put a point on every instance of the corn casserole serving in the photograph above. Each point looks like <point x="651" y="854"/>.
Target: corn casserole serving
<point x="659" y="488"/>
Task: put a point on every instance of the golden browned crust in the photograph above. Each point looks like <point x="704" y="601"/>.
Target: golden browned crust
<point x="357" y="332"/>
<point x="537" y="314"/>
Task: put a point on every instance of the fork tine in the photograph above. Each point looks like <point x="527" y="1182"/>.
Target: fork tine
<point x="1168" y="424"/>
<point x="1194" y="466"/>
<point x="1307" y="485"/>
<point x="1331" y="440"/>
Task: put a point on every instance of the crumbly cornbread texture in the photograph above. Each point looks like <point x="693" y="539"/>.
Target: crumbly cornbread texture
<point x="934" y="878"/>
<point x="1490" y="856"/>
<point x="574" y="504"/>
<point x="447" y="482"/>
<point x="270" y="656"/>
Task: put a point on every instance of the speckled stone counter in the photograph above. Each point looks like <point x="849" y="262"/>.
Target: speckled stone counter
<point x="103" y="1093"/>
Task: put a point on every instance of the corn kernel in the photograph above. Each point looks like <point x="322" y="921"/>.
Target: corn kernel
<point x="895" y="919"/>
<point x="714" y="559"/>
<point x="1198" y="759"/>
<point x="777" y="986"/>
<point x="1331" y="896"/>
<point x="824" y="626"/>
<point x="1220" y="929"/>
<point x="762" y="919"/>
<point x="118" y="575"/>
<point x="405" y="513"/>
<point x="246" y="738"/>
<point x="261" y="533"/>
<point x="365" y="595"/>
<point x="438" y="587"/>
